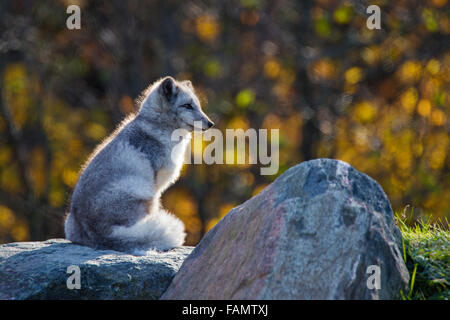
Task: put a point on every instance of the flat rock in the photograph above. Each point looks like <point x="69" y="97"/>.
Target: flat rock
<point x="38" y="270"/>
<point x="322" y="230"/>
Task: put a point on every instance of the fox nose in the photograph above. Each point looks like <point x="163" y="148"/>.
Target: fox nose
<point x="210" y="124"/>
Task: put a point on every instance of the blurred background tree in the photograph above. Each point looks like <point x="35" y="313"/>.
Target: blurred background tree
<point x="378" y="99"/>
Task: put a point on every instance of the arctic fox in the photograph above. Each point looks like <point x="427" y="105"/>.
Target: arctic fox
<point x="115" y="204"/>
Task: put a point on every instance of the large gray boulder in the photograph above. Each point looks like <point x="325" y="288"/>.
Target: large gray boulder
<point x="38" y="270"/>
<point x="322" y="230"/>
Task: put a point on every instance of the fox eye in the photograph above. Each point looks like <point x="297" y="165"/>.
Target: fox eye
<point x="187" y="106"/>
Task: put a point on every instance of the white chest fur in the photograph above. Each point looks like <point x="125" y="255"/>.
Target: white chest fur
<point x="170" y="171"/>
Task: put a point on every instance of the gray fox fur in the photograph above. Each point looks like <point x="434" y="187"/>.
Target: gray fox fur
<point x="115" y="204"/>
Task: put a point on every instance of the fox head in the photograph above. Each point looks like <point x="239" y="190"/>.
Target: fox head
<point x="174" y="103"/>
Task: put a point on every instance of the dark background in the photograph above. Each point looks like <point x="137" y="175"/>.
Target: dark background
<point x="378" y="99"/>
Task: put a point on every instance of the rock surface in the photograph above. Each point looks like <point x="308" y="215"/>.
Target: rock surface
<point x="311" y="234"/>
<point x="38" y="270"/>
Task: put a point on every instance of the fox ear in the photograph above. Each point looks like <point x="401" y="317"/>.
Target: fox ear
<point x="188" y="84"/>
<point x="168" y="88"/>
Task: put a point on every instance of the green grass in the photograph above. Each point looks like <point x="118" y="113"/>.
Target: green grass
<point x="426" y="252"/>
